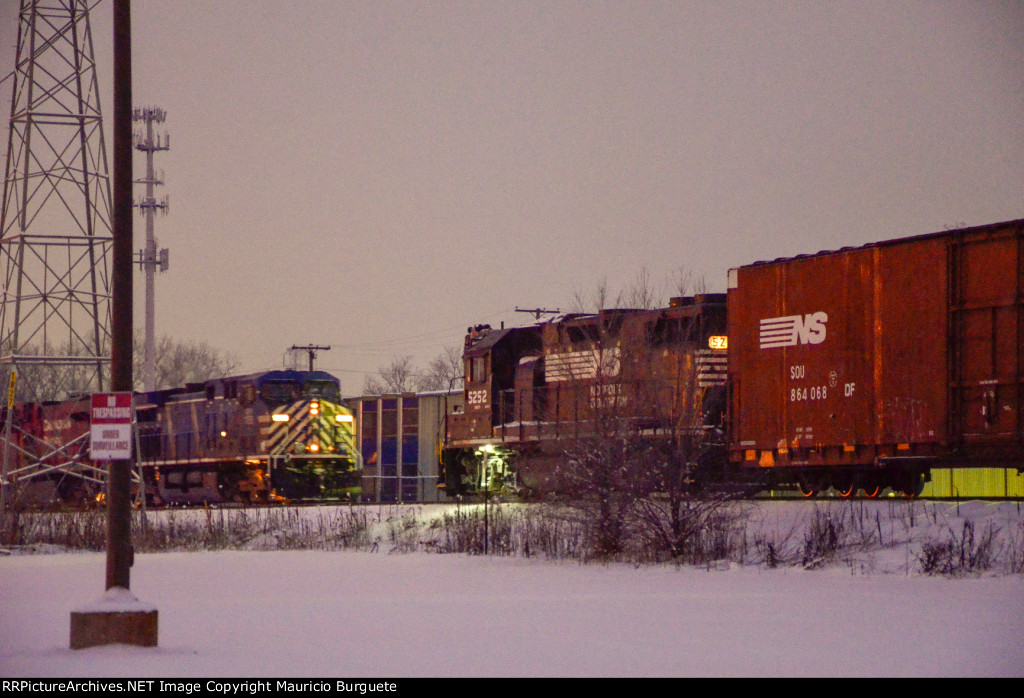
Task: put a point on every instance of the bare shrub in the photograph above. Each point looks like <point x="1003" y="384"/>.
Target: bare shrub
<point x="690" y="530"/>
<point x="404" y="532"/>
<point x="956" y="556"/>
<point x="1013" y="551"/>
<point x="473" y="530"/>
<point x="79" y="530"/>
<point x="711" y="530"/>
<point x="823" y="537"/>
<point x="554" y="533"/>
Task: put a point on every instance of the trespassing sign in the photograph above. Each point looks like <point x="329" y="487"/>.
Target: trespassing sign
<point x="111" y="426"/>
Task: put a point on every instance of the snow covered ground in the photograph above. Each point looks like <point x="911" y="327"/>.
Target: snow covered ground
<point x="262" y="614"/>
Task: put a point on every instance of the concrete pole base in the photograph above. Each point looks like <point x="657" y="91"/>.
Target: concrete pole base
<point x="117" y="618"/>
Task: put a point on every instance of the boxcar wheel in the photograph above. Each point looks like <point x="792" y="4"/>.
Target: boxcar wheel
<point x="912" y="485"/>
<point x="807" y="488"/>
<point x="845" y="486"/>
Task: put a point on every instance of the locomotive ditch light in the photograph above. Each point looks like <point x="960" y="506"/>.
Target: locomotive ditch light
<point x="223" y="434"/>
<point x="281" y="417"/>
<point x="314" y="447"/>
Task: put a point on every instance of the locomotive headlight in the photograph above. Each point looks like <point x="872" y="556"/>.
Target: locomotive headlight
<point x="280" y="417"/>
<point x="314" y="408"/>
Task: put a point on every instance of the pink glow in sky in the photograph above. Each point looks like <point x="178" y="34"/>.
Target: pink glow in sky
<point x="378" y="176"/>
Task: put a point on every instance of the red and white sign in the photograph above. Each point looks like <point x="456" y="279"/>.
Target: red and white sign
<point x="111" y="426"/>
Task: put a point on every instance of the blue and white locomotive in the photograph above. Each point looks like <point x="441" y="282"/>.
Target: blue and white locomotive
<point x="258" y="438"/>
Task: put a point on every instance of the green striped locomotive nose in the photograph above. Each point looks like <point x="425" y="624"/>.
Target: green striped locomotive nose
<point x="318" y="425"/>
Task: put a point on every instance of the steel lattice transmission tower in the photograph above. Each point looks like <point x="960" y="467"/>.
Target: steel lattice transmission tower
<point x="56" y="219"/>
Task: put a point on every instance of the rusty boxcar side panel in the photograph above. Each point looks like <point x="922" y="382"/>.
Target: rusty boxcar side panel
<point x="907" y="350"/>
<point x="986" y="326"/>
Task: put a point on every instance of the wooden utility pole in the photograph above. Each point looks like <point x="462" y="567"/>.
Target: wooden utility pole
<point x="119" y="617"/>
<point x="119" y="541"/>
<point x="312" y="352"/>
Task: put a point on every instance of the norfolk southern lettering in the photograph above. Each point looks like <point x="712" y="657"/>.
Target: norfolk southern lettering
<point x="791" y="330"/>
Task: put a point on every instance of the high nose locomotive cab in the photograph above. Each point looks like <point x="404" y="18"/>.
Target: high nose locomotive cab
<point x="490" y="359"/>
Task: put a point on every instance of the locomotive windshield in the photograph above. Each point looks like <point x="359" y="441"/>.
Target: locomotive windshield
<point x="323" y="389"/>
<point x="280" y="391"/>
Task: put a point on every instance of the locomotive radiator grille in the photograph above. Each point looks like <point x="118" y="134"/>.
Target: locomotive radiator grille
<point x="712" y="367"/>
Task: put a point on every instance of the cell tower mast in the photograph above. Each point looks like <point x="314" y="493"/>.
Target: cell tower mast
<point x="55" y="225"/>
<point x="149" y="259"/>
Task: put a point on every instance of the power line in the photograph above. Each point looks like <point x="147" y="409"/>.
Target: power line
<point x="417" y="337"/>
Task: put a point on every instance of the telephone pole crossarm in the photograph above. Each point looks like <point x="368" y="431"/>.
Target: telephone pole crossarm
<point x="311" y="350"/>
<point x="537" y="312"/>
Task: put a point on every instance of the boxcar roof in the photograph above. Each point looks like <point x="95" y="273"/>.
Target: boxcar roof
<point x="886" y="243"/>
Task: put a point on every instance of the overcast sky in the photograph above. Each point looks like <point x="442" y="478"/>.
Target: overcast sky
<point x="377" y="176"/>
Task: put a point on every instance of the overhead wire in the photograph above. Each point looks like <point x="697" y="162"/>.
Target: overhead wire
<point x="421" y="339"/>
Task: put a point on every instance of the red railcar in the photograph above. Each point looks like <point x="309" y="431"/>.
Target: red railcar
<point x="48" y="454"/>
<point x="865" y="367"/>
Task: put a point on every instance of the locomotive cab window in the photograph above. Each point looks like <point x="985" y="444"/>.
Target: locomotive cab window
<point x="612" y="324"/>
<point x="582" y="333"/>
<point x="280" y="391"/>
<point x="323" y="389"/>
<point x="666" y="330"/>
<point x="477" y="368"/>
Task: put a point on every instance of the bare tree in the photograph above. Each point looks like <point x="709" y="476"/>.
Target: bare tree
<point x="399" y="376"/>
<point x="604" y="469"/>
<point x="177" y="363"/>
<point x="683" y="282"/>
<point x="642" y="293"/>
<point x="645" y="428"/>
<point x="675" y="513"/>
<point x="444" y="372"/>
<point x="594" y="301"/>
<point x="37" y="382"/>
<point x="181" y="362"/>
